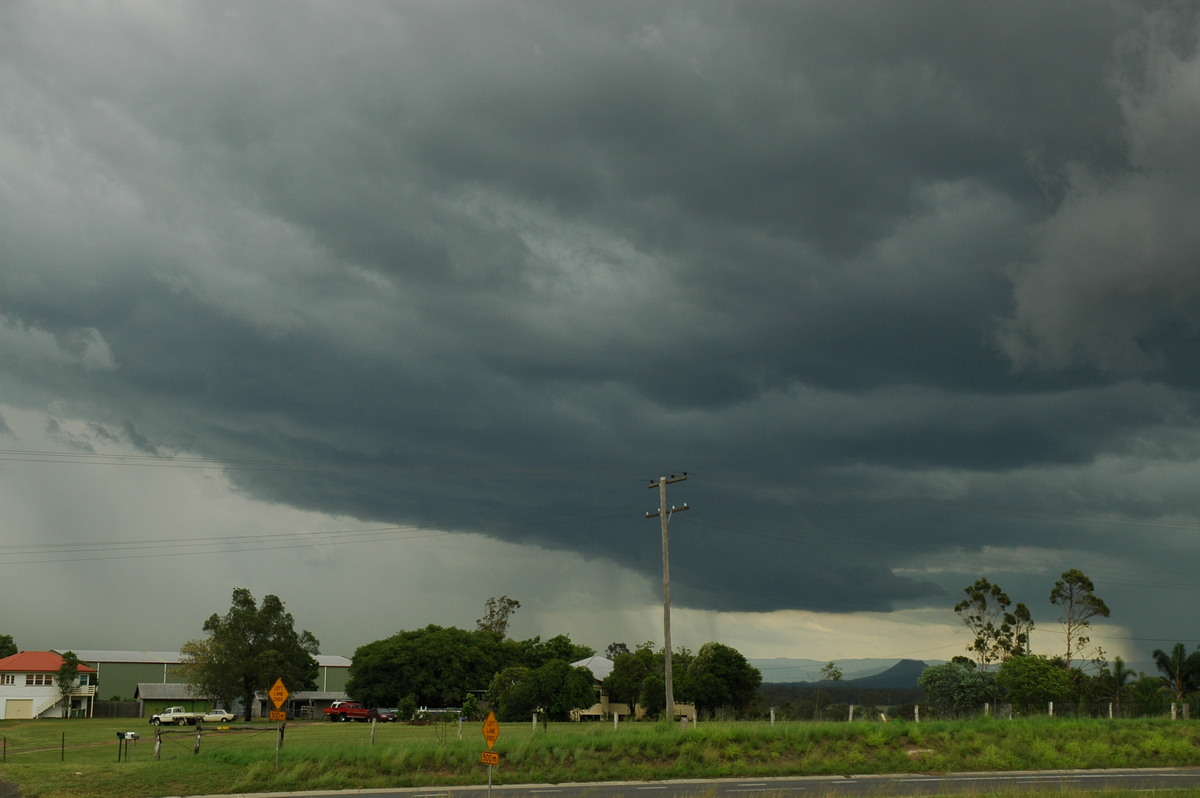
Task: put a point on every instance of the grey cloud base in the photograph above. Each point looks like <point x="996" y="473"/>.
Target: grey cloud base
<point x="900" y="285"/>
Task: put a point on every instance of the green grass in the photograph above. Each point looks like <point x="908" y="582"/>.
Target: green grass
<point x="319" y="755"/>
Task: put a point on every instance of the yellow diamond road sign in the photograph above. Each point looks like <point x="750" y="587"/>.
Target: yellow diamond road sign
<point x="491" y="730"/>
<point x="278" y="693"/>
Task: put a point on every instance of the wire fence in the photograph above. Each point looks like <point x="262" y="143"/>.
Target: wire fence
<point x="97" y="740"/>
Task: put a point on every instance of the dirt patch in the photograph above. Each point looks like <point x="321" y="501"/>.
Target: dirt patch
<point x="9" y="790"/>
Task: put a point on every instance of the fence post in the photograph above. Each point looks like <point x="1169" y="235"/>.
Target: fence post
<point x="1050" y="709"/>
<point x="916" y="713"/>
<point x="157" y="743"/>
<point x="196" y="749"/>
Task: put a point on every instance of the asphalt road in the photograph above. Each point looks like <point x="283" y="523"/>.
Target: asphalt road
<point x="875" y="786"/>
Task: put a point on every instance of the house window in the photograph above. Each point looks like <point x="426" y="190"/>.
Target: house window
<point x="38" y="679"/>
<point x="8" y="678"/>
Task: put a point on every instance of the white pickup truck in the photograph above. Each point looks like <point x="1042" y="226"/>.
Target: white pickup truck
<point x="175" y="716"/>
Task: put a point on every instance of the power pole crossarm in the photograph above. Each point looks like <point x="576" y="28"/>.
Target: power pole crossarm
<point x="665" y="514"/>
<point x="673" y="509"/>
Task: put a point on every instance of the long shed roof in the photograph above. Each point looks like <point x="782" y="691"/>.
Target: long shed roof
<point x="174" y="657"/>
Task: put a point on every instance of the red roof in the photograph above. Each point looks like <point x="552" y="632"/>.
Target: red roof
<point x="37" y="662"/>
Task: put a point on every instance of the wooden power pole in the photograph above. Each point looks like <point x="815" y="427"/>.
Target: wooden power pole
<point x="665" y="513"/>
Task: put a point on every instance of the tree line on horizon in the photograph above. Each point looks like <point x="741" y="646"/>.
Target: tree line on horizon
<point x="251" y="645"/>
<point x="1004" y="669"/>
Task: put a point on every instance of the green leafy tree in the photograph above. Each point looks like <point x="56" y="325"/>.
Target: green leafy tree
<point x="438" y="665"/>
<point x="720" y="677"/>
<point x="999" y="632"/>
<point x="637" y="678"/>
<point x="7" y="646"/>
<point x="247" y="649"/>
<point x="1031" y="682"/>
<point x="208" y="673"/>
<point x="1180" y="670"/>
<point x="1076" y="596"/>
<point x="497" y="612"/>
<point x="66" y="680"/>
<point x="557" y="688"/>
<point x="1147" y="696"/>
<point x="470" y="707"/>
<point x="630" y="671"/>
<point x="615" y="650"/>
<point x="830" y="672"/>
<point x="406" y="707"/>
<point x="957" y="688"/>
<point x="536" y="652"/>
<point x="510" y="693"/>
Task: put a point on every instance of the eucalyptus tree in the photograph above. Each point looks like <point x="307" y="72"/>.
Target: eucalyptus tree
<point x="1000" y="633"/>
<point x="1076" y="596"/>
<point x="497" y="613"/>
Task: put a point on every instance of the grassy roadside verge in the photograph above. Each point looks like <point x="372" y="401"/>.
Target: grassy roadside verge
<point x="45" y="764"/>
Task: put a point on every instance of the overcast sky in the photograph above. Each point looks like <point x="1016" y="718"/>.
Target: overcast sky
<point x="387" y="308"/>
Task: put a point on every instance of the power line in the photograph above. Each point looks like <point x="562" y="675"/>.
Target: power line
<point x="217" y="546"/>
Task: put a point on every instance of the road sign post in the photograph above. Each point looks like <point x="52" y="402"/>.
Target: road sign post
<point x="278" y="694"/>
<point x="491" y="730"/>
<point x="491" y="733"/>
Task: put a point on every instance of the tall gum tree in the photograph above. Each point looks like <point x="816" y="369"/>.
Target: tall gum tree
<point x="999" y="632"/>
<point x="1076" y="596"/>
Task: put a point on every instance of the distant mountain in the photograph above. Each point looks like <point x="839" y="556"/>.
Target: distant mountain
<point x="903" y="675"/>
<point x="784" y="669"/>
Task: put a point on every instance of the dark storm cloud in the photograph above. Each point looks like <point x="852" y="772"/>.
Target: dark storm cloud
<point x="488" y="267"/>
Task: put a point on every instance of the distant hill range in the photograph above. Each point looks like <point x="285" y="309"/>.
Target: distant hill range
<point x="899" y="674"/>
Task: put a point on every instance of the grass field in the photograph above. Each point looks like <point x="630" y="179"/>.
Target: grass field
<point x="61" y="758"/>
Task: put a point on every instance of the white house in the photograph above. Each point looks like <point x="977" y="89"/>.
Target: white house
<point x="28" y="690"/>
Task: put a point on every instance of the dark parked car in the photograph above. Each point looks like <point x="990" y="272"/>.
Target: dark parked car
<point x="386" y="715"/>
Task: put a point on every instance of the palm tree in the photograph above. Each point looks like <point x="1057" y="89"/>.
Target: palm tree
<point x="1115" y="681"/>
<point x="1180" y="670"/>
